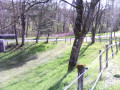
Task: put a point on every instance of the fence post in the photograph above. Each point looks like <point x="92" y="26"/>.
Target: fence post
<point x="109" y="40"/>
<point x="100" y="39"/>
<point x="115" y="39"/>
<point x="106" y="56"/>
<point x="116" y="47"/>
<point x="81" y="69"/>
<point x="112" y="52"/>
<point x="56" y="40"/>
<point x="100" y="61"/>
<point x="119" y="44"/>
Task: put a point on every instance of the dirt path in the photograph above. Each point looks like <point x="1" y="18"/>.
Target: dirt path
<point x="41" y="58"/>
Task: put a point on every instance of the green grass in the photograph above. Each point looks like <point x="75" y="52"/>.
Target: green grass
<point x="51" y="37"/>
<point x="115" y="86"/>
<point x="16" y="55"/>
<point x="53" y="74"/>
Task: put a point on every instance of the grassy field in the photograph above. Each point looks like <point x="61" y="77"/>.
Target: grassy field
<point x="51" y="75"/>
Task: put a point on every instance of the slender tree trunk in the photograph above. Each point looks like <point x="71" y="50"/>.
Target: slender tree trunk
<point x="94" y="29"/>
<point x="93" y="35"/>
<point x="64" y="26"/>
<point x="75" y="52"/>
<point x="15" y="34"/>
<point x="23" y="23"/>
<point x="57" y="27"/>
<point x="37" y="37"/>
<point x="27" y="27"/>
<point x="14" y="26"/>
<point x="47" y="37"/>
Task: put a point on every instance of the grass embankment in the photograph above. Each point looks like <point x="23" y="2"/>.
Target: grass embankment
<point x="15" y="59"/>
<point x="24" y="53"/>
<point x="111" y="75"/>
<point x="88" y="35"/>
<point x="53" y="75"/>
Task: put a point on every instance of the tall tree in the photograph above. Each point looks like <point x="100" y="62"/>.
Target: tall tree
<point x="112" y="22"/>
<point x="14" y="25"/>
<point x="80" y="31"/>
<point x="97" y="23"/>
<point x="23" y="21"/>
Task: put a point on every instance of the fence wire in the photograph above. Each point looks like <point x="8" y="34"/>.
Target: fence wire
<point x="93" y="74"/>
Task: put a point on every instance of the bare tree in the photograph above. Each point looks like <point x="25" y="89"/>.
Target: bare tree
<point x="97" y="22"/>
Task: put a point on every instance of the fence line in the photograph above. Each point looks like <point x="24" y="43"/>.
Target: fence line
<point x="92" y="65"/>
<point x="100" y="75"/>
<point x="74" y="80"/>
<point x="98" y="79"/>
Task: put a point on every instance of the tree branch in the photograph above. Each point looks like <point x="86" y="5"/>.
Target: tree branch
<point x="69" y="3"/>
<point x="25" y="12"/>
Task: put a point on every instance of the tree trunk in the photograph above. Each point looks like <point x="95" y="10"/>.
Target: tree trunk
<point x="23" y="23"/>
<point x="93" y="35"/>
<point x="47" y="37"/>
<point x="14" y="26"/>
<point x="15" y="34"/>
<point x="94" y="28"/>
<point x="37" y="37"/>
<point x="75" y="52"/>
<point x="64" y="26"/>
<point x="80" y="33"/>
<point x="27" y="27"/>
<point x="57" y="28"/>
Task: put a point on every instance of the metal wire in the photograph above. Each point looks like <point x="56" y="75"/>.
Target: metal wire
<point x="91" y="66"/>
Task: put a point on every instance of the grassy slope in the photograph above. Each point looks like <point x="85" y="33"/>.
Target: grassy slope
<point x="116" y="84"/>
<point x="22" y="53"/>
<point x="53" y="74"/>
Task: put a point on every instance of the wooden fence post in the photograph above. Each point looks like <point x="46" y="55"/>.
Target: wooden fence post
<point x="115" y="39"/>
<point x="106" y="56"/>
<point x="100" y="61"/>
<point x="116" y="48"/>
<point x="100" y="39"/>
<point x="109" y="40"/>
<point x="81" y="69"/>
<point x="119" y="44"/>
<point x="112" y="52"/>
<point x="56" y="40"/>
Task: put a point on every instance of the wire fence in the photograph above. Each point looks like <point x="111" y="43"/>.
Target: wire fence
<point x="93" y="74"/>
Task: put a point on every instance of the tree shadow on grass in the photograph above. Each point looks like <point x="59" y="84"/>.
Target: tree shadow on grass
<point x="20" y="58"/>
<point x="83" y="50"/>
<point x="56" y="86"/>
